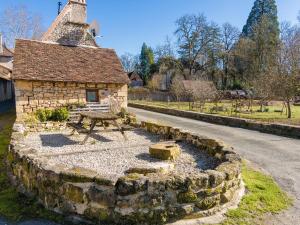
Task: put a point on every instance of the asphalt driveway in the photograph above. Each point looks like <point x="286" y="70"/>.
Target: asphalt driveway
<point x="278" y="156"/>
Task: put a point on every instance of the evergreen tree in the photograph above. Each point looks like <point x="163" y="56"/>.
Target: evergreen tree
<point x="146" y="62"/>
<point x="262" y="33"/>
<point x="262" y="9"/>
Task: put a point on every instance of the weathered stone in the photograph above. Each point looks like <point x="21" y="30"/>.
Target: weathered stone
<point x="165" y="151"/>
<point x="74" y="192"/>
<point x="43" y="95"/>
<point x="184" y="210"/>
<point x="227" y="196"/>
<point x="187" y="197"/>
<point x="231" y="170"/>
<point x="130" y="184"/>
<point x="208" y="202"/>
<point x="78" y="175"/>
<point x="102" y="195"/>
<point x="215" y="178"/>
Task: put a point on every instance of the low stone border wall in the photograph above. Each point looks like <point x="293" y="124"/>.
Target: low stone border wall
<point x="271" y="128"/>
<point x="149" y="198"/>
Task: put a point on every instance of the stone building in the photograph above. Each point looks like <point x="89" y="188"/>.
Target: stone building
<point x="66" y="66"/>
<point x="6" y="85"/>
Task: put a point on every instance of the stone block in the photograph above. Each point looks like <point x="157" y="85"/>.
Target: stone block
<point x="23" y="85"/>
<point x="165" y="151"/>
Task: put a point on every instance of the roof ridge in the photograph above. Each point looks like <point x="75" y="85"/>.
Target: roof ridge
<point x="56" y="43"/>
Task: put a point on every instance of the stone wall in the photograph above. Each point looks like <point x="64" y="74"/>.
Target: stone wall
<point x="148" y="198"/>
<point x="33" y="95"/>
<point x="271" y="128"/>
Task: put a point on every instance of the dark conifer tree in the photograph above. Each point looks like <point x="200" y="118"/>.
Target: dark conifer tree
<point x="262" y="9"/>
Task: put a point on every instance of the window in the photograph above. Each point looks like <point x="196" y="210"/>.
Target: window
<point x="92" y="96"/>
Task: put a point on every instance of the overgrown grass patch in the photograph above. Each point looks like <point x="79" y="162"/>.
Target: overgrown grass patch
<point x="263" y="196"/>
<point x="13" y="205"/>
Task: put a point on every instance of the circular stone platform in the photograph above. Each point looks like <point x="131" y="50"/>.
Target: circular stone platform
<point x="110" y="156"/>
<point x="111" y="180"/>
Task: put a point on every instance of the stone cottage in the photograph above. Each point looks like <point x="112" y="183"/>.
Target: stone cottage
<point x="6" y="85"/>
<point x="66" y="66"/>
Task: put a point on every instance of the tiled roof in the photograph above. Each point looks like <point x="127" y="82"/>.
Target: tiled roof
<point x="44" y="61"/>
<point x="6" y="52"/>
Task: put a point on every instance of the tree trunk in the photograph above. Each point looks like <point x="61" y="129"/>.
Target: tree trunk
<point x="289" y="110"/>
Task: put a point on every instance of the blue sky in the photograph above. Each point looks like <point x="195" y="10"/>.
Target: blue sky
<point x="126" y="24"/>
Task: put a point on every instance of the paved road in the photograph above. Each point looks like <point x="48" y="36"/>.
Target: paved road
<point x="278" y="156"/>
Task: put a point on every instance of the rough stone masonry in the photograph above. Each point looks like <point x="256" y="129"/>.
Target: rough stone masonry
<point x="137" y="198"/>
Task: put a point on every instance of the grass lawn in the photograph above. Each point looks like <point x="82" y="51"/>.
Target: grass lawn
<point x="270" y="116"/>
<point x="263" y="194"/>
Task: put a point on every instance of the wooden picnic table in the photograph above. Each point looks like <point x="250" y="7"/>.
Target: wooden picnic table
<point x="98" y="117"/>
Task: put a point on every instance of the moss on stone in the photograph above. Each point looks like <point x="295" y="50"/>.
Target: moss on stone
<point x="187" y="197"/>
<point x="207" y="203"/>
<point x="74" y="193"/>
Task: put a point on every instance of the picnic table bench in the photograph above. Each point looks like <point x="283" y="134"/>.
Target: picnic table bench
<point x="95" y="118"/>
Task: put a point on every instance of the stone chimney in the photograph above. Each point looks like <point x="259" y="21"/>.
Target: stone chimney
<point x="79" y="1"/>
<point x="78" y="11"/>
<point x="70" y="26"/>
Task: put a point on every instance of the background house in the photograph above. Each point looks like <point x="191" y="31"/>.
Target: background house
<point x="6" y="85"/>
<point x="135" y="80"/>
<point x="66" y="66"/>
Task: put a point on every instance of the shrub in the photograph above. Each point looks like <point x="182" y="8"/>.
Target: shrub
<point x="61" y="114"/>
<point x="44" y="115"/>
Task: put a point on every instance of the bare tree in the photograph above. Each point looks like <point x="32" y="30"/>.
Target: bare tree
<point x="19" y="22"/>
<point x="230" y="36"/>
<point x="264" y="88"/>
<point x="165" y="50"/>
<point x="177" y="89"/>
<point x="287" y="83"/>
<point x="200" y="91"/>
<point x="129" y="62"/>
<point x="196" y="39"/>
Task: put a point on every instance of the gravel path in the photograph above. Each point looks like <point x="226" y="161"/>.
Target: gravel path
<point x="110" y="155"/>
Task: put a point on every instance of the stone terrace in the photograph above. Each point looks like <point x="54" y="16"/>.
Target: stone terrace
<point x="108" y="154"/>
<point x="91" y="182"/>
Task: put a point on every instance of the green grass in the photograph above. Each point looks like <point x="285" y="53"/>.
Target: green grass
<point x="263" y="196"/>
<point x="270" y="116"/>
<point x="13" y="205"/>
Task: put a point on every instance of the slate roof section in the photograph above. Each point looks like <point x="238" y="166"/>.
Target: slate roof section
<point x="45" y="61"/>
